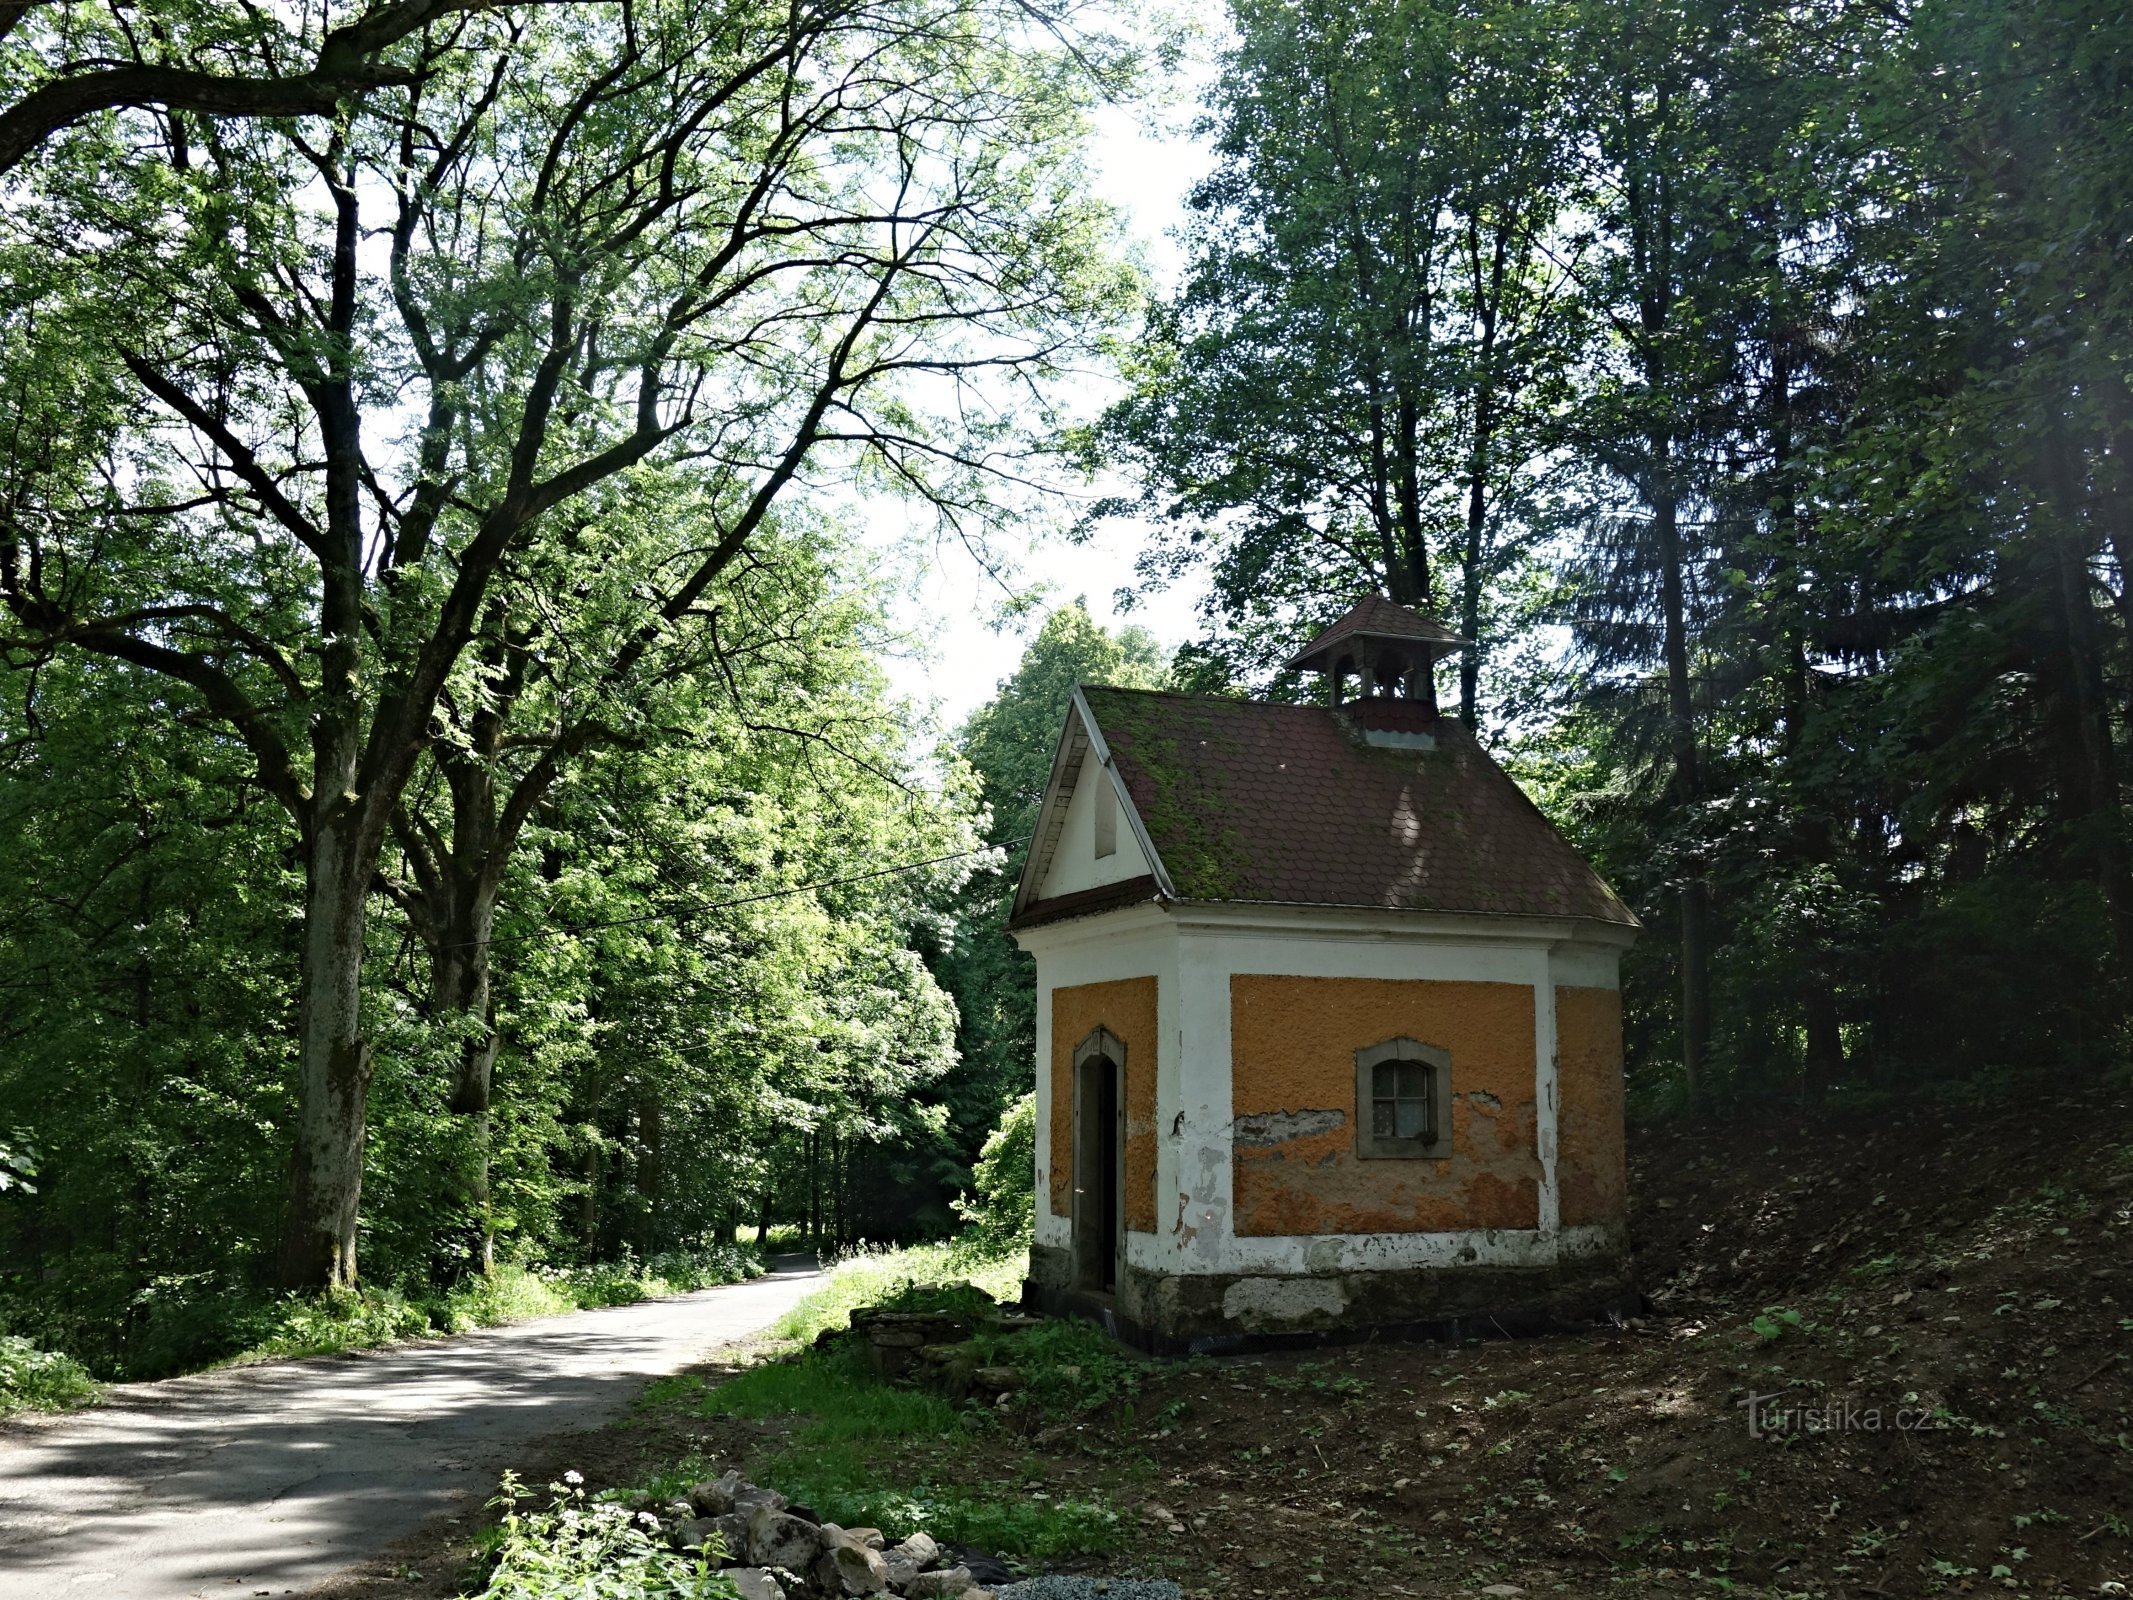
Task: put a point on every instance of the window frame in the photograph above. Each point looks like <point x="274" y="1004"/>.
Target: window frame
<point x="1370" y="1146"/>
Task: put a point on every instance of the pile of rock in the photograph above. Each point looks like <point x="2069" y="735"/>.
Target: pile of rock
<point x="774" y="1550"/>
<point x="936" y="1347"/>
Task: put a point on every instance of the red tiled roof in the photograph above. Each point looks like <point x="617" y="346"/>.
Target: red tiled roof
<point x="1247" y="801"/>
<point x="1374" y="616"/>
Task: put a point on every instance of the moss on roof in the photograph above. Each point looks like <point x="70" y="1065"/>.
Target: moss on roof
<point x="1249" y="801"/>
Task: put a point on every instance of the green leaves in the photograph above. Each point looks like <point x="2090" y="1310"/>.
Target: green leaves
<point x="1354" y="386"/>
<point x="1774" y="1322"/>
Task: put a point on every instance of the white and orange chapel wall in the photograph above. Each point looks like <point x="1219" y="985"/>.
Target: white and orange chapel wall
<point x="1241" y="1091"/>
<point x="1258" y="1170"/>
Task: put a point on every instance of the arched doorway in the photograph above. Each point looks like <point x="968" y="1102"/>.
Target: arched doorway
<point x="1099" y="1161"/>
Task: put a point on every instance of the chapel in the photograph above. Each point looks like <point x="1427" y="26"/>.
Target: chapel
<point x="1329" y="1028"/>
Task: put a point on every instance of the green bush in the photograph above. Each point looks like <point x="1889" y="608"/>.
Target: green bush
<point x="580" y="1549"/>
<point x="505" y="1294"/>
<point x="1002" y="1216"/>
<point x="41" y="1380"/>
<point x="369" y="1317"/>
<point x="334" y="1322"/>
<point x="685" y="1270"/>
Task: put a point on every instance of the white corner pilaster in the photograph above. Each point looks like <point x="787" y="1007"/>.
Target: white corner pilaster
<point x="1193" y="1225"/>
<point x="1546" y="1096"/>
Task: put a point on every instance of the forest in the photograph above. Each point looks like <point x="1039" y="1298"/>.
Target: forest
<point x="457" y="820"/>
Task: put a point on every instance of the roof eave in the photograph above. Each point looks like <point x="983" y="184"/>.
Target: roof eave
<point x="1611" y="930"/>
<point x="1319" y="650"/>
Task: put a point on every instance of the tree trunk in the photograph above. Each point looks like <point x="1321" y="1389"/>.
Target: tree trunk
<point x="651" y="1170"/>
<point x="1824" y="1060"/>
<point x="1688" y="781"/>
<point x="589" y="1201"/>
<point x="460" y="990"/>
<point x="343" y="838"/>
<point x="1825" y="1041"/>
<point x="814" y="1188"/>
<point x="1470" y="586"/>
<point x="461" y="993"/>
<point x="318" y="1245"/>
<point x="2097" y="807"/>
<point x="1488" y="307"/>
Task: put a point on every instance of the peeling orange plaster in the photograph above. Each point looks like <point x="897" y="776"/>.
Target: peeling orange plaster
<point x="1589" y="1165"/>
<point x="1293" y="1044"/>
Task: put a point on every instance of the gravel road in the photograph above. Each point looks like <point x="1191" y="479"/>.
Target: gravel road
<point x="266" y="1480"/>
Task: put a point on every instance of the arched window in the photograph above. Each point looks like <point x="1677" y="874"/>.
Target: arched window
<point x="1403" y="1100"/>
<point x="1101" y="1042"/>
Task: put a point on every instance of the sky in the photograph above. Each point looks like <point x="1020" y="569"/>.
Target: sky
<point x="951" y="608"/>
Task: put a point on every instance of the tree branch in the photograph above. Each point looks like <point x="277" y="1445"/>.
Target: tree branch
<point x="348" y="65"/>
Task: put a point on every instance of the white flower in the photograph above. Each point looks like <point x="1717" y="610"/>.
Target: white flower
<point x="573" y="1478"/>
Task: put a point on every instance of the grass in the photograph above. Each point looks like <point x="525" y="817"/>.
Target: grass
<point x="849" y="1404"/>
<point x="869" y="1276"/>
<point x="834" y="1460"/>
<point x="369" y="1318"/>
<point x="41" y="1380"/>
<point x="856" y="1493"/>
<point x="1067" y="1367"/>
<point x="828" y="1462"/>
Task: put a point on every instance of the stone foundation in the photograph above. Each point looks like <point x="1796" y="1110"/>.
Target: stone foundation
<point x="1175" y="1314"/>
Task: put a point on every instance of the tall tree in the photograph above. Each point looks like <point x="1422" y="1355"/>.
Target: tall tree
<point x="1353" y="387"/>
<point x="609" y="238"/>
<point x="1648" y="74"/>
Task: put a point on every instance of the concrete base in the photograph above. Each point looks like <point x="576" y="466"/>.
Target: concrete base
<point x="1208" y="1314"/>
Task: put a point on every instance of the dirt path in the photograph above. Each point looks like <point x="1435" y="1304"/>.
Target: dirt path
<point x="267" y="1480"/>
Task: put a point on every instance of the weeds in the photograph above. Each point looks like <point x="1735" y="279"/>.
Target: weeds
<point x="854" y="1492"/>
<point x="1066" y="1367"/>
<point x="41" y="1380"/>
<point x="580" y="1549"/>
<point x="847" y="1402"/>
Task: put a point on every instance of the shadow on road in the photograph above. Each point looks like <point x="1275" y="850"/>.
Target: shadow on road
<point x="271" y="1477"/>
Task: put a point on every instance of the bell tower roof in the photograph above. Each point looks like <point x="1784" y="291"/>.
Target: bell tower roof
<point x="1390" y="647"/>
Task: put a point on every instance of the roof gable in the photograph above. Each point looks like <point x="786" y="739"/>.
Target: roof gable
<point x="1063" y="867"/>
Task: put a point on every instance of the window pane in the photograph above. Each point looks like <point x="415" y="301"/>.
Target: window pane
<point x="1413" y="1117"/>
<point x="1382" y="1119"/>
<point x="1385" y="1080"/>
<point x="1414" y="1080"/>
